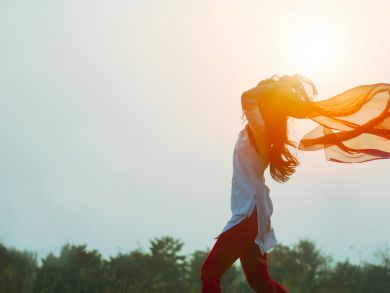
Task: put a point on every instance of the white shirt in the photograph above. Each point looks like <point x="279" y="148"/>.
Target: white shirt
<point x="249" y="190"/>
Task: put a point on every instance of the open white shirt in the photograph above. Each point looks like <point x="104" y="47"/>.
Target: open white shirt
<point x="248" y="186"/>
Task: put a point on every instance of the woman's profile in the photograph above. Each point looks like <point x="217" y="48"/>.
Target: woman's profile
<point x="354" y="127"/>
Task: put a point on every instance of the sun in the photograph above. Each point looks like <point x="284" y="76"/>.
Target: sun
<point x="314" y="43"/>
<point x="316" y="51"/>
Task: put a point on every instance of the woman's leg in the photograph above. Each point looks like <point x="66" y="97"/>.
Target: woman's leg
<point x="254" y="265"/>
<point x="226" y="250"/>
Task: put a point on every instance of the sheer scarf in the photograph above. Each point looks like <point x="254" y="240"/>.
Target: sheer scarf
<point x="354" y="126"/>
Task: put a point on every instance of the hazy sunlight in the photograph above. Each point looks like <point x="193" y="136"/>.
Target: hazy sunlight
<point x="315" y="43"/>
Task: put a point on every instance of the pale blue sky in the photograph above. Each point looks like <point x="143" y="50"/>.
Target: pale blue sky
<point x="119" y="120"/>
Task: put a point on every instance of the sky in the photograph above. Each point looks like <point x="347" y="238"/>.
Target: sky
<point x="119" y="120"/>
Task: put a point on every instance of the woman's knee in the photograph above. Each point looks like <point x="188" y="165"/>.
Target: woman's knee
<point x="259" y="285"/>
<point x="208" y="271"/>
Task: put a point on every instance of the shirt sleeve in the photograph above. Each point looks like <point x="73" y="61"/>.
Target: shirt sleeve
<point x="255" y="121"/>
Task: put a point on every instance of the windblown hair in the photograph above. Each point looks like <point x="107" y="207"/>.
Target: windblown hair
<point x="282" y="162"/>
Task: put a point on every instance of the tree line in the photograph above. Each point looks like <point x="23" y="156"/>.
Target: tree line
<point x="301" y="268"/>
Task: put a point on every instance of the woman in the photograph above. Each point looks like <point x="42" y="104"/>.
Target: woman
<point x="361" y="119"/>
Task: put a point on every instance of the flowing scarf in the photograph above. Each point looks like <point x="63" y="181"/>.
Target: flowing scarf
<point x="354" y="126"/>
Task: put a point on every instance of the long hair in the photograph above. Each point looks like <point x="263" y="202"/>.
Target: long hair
<point x="282" y="161"/>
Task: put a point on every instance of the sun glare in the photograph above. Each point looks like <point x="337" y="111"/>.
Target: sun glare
<point x="316" y="51"/>
<point x="314" y="43"/>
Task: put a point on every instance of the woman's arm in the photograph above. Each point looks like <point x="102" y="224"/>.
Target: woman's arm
<point x="274" y="89"/>
<point x="256" y="123"/>
<point x="249" y="103"/>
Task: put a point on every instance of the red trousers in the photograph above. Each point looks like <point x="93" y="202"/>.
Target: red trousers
<point x="238" y="242"/>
